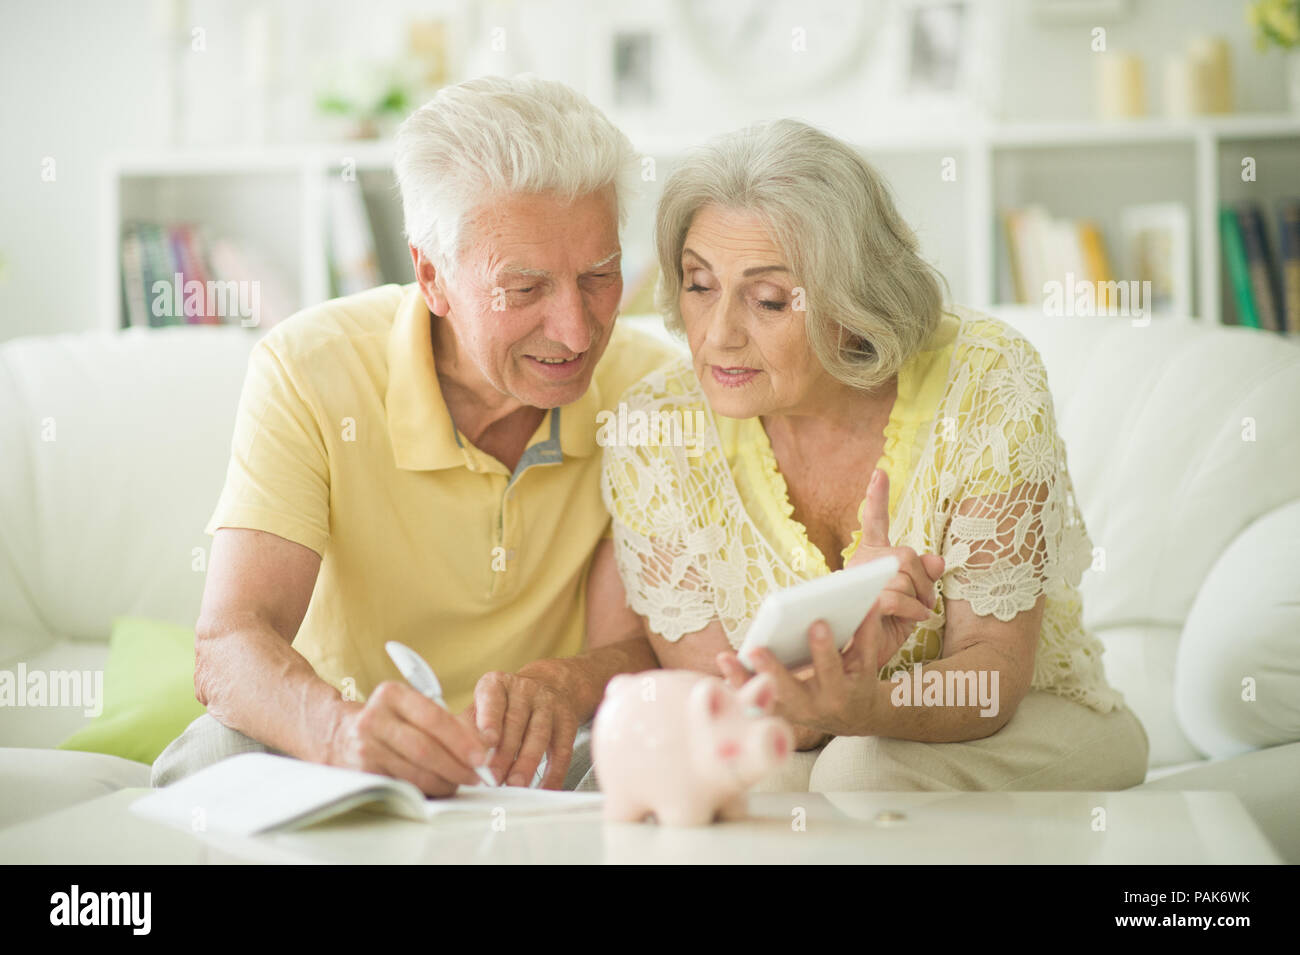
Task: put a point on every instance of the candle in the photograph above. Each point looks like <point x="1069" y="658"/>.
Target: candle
<point x="1211" y="67"/>
<point x="1121" y="92"/>
<point x="1179" y="93"/>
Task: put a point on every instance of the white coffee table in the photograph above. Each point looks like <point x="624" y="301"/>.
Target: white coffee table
<point x="899" y="828"/>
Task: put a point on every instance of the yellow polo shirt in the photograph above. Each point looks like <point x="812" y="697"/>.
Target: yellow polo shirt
<point x="343" y="444"/>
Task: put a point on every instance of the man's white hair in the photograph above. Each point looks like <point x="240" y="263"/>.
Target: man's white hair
<point x="493" y="136"/>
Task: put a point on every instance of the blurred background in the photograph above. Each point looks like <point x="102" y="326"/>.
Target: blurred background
<point x="1027" y="141"/>
<point x="177" y="176"/>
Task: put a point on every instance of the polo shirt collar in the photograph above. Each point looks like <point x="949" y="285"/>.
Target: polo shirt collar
<point x="420" y="426"/>
<point x="578" y="422"/>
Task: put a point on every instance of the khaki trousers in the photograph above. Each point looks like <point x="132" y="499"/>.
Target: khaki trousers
<point x="1051" y="743"/>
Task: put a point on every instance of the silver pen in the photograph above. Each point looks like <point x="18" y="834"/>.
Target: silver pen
<point x="420" y="675"/>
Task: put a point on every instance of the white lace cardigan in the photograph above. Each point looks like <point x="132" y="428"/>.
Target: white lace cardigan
<point x="987" y="488"/>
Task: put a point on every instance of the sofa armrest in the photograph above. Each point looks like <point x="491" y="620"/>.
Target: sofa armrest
<point x="1237" y="677"/>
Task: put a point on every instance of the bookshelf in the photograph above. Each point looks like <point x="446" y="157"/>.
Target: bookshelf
<point x="272" y="199"/>
<point x="274" y="196"/>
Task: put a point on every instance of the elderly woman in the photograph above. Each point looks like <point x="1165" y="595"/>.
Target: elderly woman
<point x="850" y="415"/>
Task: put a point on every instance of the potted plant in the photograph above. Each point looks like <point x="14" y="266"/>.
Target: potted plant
<point x="1277" y="23"/>
<point x="368" y="95"/>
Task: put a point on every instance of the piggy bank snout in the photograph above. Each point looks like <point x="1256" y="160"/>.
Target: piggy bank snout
<point x="758" y="749"/>
<point x="773" y="741"/>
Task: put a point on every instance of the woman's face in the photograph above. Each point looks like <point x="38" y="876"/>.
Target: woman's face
<point x="744" y="317"/>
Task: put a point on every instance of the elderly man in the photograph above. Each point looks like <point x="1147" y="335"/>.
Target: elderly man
<point x="420" y="464"/>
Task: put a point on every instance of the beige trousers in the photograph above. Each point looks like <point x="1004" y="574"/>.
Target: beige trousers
<point x="1051" y="743"/>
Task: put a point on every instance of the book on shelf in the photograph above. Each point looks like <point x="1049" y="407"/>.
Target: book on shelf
<point x="1259" y="263"/>
<point x="353" y="261"/>
<point x="1288" y="224"/>
<point x="1234" y="257"/>
<point x="1042" y="248"/>
<point x="1264" y="289"/>
<point x="1097" y="261"/>
<point x="1052" y="260"/>
<point x="177" y="274"/>
<point x="135" y="301"/>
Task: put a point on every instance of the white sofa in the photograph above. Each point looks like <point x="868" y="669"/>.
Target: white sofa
<point x="114" y="449"/>
<point x="1200" y="531"/>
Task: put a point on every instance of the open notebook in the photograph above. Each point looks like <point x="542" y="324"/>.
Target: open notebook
<point x="257" y="792"/>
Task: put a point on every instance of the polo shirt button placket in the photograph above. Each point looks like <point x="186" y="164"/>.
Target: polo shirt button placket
<point x="499" y="547"/>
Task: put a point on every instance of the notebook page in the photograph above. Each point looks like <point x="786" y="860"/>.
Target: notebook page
<point x="515" y="800"/>
<point x="254" y="792"/>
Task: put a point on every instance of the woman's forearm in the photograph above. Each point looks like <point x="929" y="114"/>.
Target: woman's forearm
<point x="967" y="696"/>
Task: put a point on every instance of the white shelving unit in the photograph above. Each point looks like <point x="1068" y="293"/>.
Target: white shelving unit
<point x="274" y="197"/>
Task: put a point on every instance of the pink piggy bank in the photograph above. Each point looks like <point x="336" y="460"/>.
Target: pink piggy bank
<point x="685" y="746"/>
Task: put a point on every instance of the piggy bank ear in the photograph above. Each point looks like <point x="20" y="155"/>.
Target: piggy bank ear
<point x="618" y="684"/>
<point x="759" y="692"/>
<point x="708" y="700"/>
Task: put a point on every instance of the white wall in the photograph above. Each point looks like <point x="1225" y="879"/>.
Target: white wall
<point x="83" y="78"/>
<point x="74" y="88"/>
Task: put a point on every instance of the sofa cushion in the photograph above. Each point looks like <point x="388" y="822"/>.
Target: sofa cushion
<point x="1237" y="681"/>
<point x="1179" y="434"/>
<point x="148" y="692"/>
<point x="34" y="782"/>
<point x="115" y="448"/>
<point x="1139" y="662"/>
<point x="47" y="725"/>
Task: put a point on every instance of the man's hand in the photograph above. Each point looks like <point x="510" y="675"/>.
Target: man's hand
<point x="399" y="732"/>
<point x="524" y="717"/>
<point x="538" y="710"/>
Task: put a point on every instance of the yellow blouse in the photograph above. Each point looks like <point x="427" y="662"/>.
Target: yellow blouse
<point x="763" y="490"/>
<point x="703" y="525"/>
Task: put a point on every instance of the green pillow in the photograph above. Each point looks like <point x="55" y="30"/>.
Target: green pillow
<point x="148" y="691"/>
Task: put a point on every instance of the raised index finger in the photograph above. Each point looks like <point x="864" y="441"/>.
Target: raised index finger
<point x="875" y="511"/>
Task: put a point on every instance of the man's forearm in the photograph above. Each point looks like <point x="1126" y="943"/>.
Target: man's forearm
<point x="582" y="679"/>
<point x="252" y="680"/>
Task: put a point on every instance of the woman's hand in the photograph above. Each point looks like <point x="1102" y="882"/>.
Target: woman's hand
<point x="840" y="692"/>
<point x="806" y="737"/>
<point x="909" y="597"/>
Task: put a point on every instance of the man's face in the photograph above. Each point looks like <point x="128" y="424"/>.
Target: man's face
<point x="535" y="295"/>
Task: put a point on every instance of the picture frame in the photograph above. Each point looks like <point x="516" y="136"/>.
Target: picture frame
<point x="945" y="51"/>
<point x="635" y="60"/>
<point x="1155" y="247"/>
<point x="937" y="51"/>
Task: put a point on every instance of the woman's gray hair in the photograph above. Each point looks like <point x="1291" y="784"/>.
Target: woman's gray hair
<point x="871" y="300"/>
<point x="496" y="136"/>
